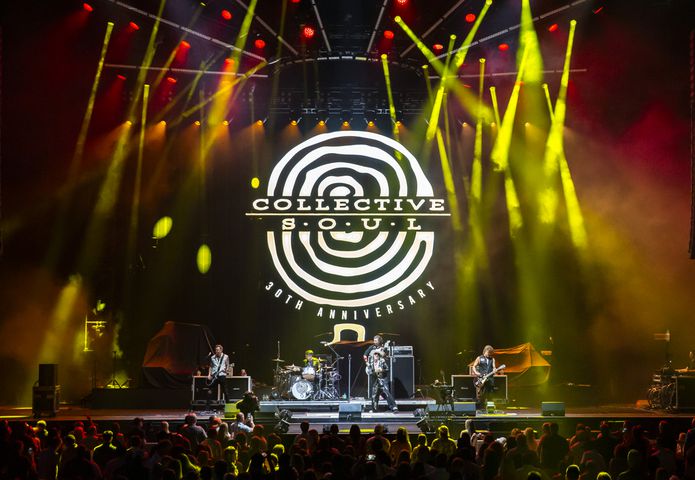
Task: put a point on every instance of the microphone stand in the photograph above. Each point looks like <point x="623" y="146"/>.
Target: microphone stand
<point x="349" y="395"/>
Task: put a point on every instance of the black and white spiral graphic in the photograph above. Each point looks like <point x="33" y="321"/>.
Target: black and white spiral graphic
<point x="349" y="266"/>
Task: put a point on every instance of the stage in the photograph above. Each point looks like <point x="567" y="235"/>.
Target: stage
<point x="322" y="414"/>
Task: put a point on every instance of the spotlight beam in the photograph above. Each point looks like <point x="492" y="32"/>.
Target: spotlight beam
<point x="376" y="26"/>
<point x="135" y="206"/>
<point x="389" y="93"/>
<point x="57" y="244"/>
<point x="434" y="25"/>
<point x="269" y="29"/>
<point x="186" y="29"/>
<point x="514" y="27"/>
<point x="443" y="70"/>
<point x="320" y="23"/>
<point x="555" y="146"/>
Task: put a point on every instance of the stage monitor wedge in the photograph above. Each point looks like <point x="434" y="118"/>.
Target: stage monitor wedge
<point x="553" y="409"/>
<point x="348" y="412"/>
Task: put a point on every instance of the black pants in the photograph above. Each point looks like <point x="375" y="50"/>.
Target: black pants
<point x="212" y="387"/>
<point x="485" y="392"/>
<point x="380" y="387"/>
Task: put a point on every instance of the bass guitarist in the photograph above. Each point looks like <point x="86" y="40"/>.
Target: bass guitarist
<point x="484" y="369"/>
<point x="378" y="370"/>
<point x="219" y="364"/>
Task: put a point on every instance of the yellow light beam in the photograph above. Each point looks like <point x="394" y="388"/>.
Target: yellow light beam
<point x="477" y="167"/>
<point x="392" y="106"/>
<point x="56" y="245"/>
<point x="555" y="143"/>
<point x="528" y="40"/>
<point x="135" y="207"/>
<point x="449" y="184"/>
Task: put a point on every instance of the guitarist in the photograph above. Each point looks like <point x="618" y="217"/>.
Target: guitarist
<point x="484" y="365"/>
<point x="219" y="364"/>
<point x="378" y="370"/>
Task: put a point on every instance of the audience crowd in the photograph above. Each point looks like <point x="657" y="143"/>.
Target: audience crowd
<point x="218" y="450"/>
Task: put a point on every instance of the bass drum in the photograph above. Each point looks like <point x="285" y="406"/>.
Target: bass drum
<point x="302" y="389"/>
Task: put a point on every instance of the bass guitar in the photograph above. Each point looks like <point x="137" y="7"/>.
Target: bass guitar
<point x="481" y="380"/>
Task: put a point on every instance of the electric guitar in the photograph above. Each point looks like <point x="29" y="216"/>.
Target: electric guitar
<point x="214" y="375"/>
<point x="376" y="360"/>
<point x="481" y="380"/>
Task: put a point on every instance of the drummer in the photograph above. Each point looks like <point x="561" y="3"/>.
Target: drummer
<point x="311" y="361"/>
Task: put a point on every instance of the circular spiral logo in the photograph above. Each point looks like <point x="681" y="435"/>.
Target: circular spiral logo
<point x="346" y="212"/>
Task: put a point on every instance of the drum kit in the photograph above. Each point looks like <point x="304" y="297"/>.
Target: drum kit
<point x="306" y="383"/>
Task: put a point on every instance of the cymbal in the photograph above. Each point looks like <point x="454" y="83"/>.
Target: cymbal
<point x="322" y="334"/>
<point x="277" y="360"/>
<point x="387" y="334"/>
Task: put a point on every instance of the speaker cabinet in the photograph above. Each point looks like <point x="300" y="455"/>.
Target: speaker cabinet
<point x="48" y="375"/>
<point x="553" y="409"/>
<point x="465" y="408"/>
<point x="348" y="412"/>
<point x="685" y="393"/>
<point x="237" y="386"/>
<point x="403" y="369"/>
<point x="464" y="388"/>
<point x="45" y="401"/>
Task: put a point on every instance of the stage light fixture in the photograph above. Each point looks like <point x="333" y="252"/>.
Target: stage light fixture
<point x="470" y="18"/>
<point x="282" y="427"/>
<point x="259" y="123"/>
<point x="225" y="123"/>
<point x="598" y="10"/>
<point x="503" y="47"/>
<point x="398" y="123"/>
<point x="553" y="27"/>
<point x="120" y="77"/>
<point x="134" y="26"/>
<point x="293" y="123"/>
<point x="424" y="425"/>
<point x="322" y="123"/>
<point x="295" y="1"/>
<point x="308" y="32"/>
<point x="527" y="124"/>
<point x="255" y="182"/>
<point x="370" y="123"/>
<point x="388" y="34"/>
<point x="226" y="14"/>
<point x="163" y="123"/>
<point x="464" y="124"/>
<point x="259" y="43"/>
<point x="346" y="123"/>
<point x="197" y="123"/>
<point x="437" y="47"/>
<point x="128" y="123"/>
<point x="493" y="124"/>
<point x="87" y="7"/>
<point x="402" y="2"/>
<point x="171" y="80"/>
<point x="185" y="44"/>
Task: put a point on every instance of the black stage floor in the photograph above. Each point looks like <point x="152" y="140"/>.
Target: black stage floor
<point x="321" y="414"/>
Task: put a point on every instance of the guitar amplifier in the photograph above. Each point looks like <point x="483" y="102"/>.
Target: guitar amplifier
<point x="237" y="386"/>
<point x="464" y="388"/>
<point x="402" y="351"/>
